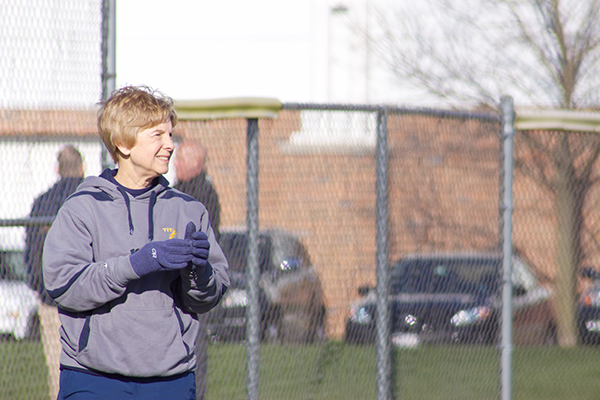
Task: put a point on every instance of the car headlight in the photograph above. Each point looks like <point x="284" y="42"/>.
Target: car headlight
<point x="471" y="316"/>
<point x="360" y="315"/>
<point x="235" y="298"/>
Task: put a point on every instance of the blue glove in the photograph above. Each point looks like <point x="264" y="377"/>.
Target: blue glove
<point x="162" y="256"/>
<point x="200" y="246"/>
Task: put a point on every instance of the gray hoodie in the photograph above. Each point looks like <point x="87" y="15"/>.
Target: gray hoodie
<point x="113" y="321"/>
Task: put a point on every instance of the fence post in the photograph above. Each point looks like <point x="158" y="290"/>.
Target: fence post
<point x="250" y="108"/>
<point x="506" y="345"/>
<point x="109" y="65"/>
<point x="384" y="382"/>
<point x="253" y="311"/>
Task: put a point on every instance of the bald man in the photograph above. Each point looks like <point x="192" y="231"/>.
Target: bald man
<point x="190" y="166"/>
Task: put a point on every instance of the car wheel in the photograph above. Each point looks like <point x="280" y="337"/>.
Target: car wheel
<point x="33" y="328"/>
<point x="359" y="334"/>
<point x="550" y="336"/>
<point x="271" y="326"/>
<point x="317" y="326"/>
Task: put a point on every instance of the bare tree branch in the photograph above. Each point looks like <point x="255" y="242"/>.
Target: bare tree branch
<point x="542" y="53"/>
<point x="545" y="51"/>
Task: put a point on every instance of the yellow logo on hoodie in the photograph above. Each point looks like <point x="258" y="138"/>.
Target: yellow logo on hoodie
<point x="173" y="232"/>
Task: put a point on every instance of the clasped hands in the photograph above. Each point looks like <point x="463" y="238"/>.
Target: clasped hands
<point x="173" y="254"/>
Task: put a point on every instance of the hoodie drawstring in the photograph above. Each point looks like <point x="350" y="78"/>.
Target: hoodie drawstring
<point x="126" y="197"/>
<point x="151" y="204"/>
<point x="151" y="215"/>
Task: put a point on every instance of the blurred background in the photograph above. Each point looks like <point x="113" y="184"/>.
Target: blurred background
<point x="430" y="75"/>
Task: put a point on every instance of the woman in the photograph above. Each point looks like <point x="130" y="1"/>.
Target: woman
<point x="127" y="267"/>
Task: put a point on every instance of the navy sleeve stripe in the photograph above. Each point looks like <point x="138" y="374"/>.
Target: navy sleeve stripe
<point x="56" y="293"/>
<point x="180" y="320"/>
<point x="85" y="333"/>
<point x="170" y="194"/>
<point x="100" y="196"/>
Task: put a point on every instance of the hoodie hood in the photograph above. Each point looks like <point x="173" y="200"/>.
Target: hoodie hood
<point x="107" y="186"/>
<point x="105" y="183"/>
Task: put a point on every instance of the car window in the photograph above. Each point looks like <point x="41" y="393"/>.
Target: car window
<point x="12" y="265"/>
<point x="446" y="276"/>
<point x="235" y="247"/>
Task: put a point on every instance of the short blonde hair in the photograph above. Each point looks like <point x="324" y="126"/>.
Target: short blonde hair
<point x="130" y="110"/>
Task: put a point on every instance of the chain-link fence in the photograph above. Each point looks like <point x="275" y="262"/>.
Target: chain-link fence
<point x="50" y="77"/>
<point x="351" y="202"/>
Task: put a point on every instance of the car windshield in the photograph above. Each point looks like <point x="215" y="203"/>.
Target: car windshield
<point x="276" y="252"/>
<point x="446" y="276"/>
<point x="235" y="247"/>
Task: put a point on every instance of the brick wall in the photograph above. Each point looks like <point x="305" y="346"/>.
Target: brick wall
<point x="443" y="193"/>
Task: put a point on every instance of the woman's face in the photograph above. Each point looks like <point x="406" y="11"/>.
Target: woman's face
<point x="150" y="156"/>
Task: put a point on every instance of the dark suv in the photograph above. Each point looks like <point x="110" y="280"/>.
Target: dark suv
<point x="454" y="298"/>
<point x="292" y="307"/>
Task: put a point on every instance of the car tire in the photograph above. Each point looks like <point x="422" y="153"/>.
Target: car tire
<point x="271" y="326"/>
<point x="550" y="336"/>
<point x="34" y="328"/>
<point x="316" y="333"/>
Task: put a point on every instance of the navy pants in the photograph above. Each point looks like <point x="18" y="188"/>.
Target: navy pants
<point x="76" y="385"/>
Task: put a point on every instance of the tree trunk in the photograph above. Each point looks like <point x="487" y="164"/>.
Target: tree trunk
<point x="567" y="256"/>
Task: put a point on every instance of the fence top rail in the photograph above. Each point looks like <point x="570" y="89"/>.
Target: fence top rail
<point x="33" y="221"/>
<point x="392" y="110"/>
<point x="224" y="108"/>
<point x="564" y="120"/>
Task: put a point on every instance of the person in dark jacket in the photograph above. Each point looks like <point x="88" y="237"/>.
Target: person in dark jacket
<point x="127" y="266"/>
<point x="190" y="166"/>
<point x="192" y="178"/>
<point x="70" y="168"/>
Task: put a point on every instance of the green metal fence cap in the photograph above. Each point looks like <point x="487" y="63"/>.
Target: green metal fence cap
<point x="235" y="107"/>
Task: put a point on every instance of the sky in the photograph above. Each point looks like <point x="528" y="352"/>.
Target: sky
<point x="214" y="49"/>
<point x="292" y="50"/>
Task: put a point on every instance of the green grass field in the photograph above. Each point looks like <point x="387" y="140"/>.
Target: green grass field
<point x="23" y="373"/>
<point x="337" y="371"/>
